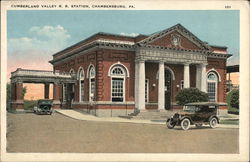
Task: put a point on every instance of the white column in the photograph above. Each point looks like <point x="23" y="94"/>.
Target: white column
<point x="198" y="77"/>
<point x="203" y="78"/>
<point x="161" y="87"/>
<point x="141" y="85"/>
<point x="136" y="83"/>
<point x="186" y="76"/>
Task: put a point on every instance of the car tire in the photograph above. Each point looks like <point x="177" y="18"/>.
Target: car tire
<point x="185" y="124"/>
<point x="198" y="125"/>
<point x="213" y="122"/>
<point x="170" y="125"/>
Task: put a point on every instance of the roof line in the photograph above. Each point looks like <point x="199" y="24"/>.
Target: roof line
<point x="92" y="36"/>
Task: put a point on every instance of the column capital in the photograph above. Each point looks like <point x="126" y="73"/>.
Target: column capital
<point x="186" y="64"/>
<point x="161" y="62"/>
<point x="139" y="61"/>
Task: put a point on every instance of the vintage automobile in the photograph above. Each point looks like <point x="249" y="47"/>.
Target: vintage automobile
<point x="44" y="106"/>
<point x="197" y="113"/>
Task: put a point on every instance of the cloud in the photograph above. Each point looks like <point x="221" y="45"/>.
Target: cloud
<point x="49" y="38"/>
<point x="129" y="34"/>
<point x="35" y="50"/>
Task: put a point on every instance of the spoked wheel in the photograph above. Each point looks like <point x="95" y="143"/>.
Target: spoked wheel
<point x="170" y="124"/>
<point x="213" y="122"/>
<point x="185" y="124"/>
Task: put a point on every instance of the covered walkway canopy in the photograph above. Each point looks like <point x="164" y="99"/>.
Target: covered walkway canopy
<point x="21" y="76"/>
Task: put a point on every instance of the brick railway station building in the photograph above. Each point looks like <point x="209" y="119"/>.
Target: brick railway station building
<point x="111" y="75"/>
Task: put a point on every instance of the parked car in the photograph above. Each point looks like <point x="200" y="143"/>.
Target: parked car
<point x="197" y="113"/>
<point x="44" y="107"/>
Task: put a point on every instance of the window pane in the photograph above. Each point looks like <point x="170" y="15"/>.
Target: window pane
<point x="117" y="89"/>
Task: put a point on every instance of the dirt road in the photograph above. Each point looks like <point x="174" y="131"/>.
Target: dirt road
<point x="57" y="133"/>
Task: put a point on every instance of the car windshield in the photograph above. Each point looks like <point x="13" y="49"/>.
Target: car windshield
<point x="42" y="102"/>
<point x="190" y="108"/>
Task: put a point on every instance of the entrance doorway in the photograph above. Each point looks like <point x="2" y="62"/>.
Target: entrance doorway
<point x="69" y="94"/>
<point x="168" y="89"/>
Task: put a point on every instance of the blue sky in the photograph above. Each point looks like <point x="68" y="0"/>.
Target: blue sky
<point x="35" y="35"/>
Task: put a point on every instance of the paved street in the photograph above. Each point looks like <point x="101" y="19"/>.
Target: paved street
<point x="57" y="133"/>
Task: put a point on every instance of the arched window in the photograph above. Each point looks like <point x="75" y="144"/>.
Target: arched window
<point x="81" y="85"/>
<point x="91" y="83"/>
<point x="212" y="83"/>
<point x="118" y="74"/>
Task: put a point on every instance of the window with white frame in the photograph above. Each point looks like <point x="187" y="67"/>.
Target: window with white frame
<point x="212" y="81"/>
<point x="146" y="90"/>
<point x="92" y="83"/>
<point x="118" y="75"/>
<point x="64" y="92"/>
<point x="81" y="85"/>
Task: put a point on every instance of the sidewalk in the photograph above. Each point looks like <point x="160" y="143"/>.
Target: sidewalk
<point x="87" y="117"/>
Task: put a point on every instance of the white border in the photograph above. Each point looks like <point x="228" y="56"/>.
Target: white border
<point x="243" y="6"/>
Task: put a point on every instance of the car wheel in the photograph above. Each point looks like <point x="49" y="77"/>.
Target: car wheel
<point x="170" y="124"/>
<point x="185" y="124"/>
<point x="213" y="122"/>
<point x="198" y="125"/>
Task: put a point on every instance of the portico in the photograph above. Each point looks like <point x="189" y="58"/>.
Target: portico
<point x="21" y="76"/>
<point x="163" y="57"/>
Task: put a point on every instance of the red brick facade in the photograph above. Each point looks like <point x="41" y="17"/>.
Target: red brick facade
<point x="103" y="58"/>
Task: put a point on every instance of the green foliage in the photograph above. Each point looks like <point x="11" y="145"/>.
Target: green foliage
<point x="233" y="99"/>
<point x="8" y="96"/>
<point x="188" y="95"/>
<point x="29" y="104"/>
<point x="24" y="91"/>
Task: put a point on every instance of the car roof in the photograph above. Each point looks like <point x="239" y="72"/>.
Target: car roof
<point x="206" y="104"/>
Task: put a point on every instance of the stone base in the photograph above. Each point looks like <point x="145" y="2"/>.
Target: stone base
<point x="222" y="112"/>
<point x="56" y="106"/>
<point x="108" y="112"/>
<point x="17" y="105"/>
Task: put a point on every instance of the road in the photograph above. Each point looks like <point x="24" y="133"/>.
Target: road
<point x="57" y="133"/>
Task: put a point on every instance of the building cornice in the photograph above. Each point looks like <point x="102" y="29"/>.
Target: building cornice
<point x="219" y="55"/>
<point x="100" y="43"/>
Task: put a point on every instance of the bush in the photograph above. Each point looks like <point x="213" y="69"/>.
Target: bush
<point x="29" y="104"/>
<point x="233" y="99"/>
<point x="188" y="95"/>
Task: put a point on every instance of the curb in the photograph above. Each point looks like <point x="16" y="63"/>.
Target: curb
<point x="80" y="116"/>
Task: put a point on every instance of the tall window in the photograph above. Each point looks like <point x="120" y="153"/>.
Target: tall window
<point x="64" y="92"/>
<point x="212" y="81"/>
<point x="81" y="85"/>
<point x="146" y="90"/>
<point x="118" y="75"/>
<point x="91" y="83"/>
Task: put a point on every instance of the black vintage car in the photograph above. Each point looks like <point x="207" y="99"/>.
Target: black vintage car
<point x="44" y="107"/>
<point x="197" y="114"/>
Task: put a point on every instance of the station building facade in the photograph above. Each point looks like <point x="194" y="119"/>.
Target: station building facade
<point x="115" y="75"/>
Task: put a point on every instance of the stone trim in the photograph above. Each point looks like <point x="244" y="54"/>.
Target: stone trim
<point x="118" y="64"/>
<point x="218" y="55"/>
<point x="97" y="43"/>
<point x="168" y="56"/>
<point x="180" y="29"/>
<point x="104" y="103"/>
<point x="214" y="71"/>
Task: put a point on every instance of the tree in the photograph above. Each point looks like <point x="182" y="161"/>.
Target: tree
<point x="233" y="98"/>
<point x="188" y="95"/>
<point x="8" y="96"/>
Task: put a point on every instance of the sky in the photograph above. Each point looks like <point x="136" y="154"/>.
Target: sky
<point x="34" y="36"/>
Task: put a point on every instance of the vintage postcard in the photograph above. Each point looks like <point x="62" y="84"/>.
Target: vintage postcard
<point x="124" y="81"/>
